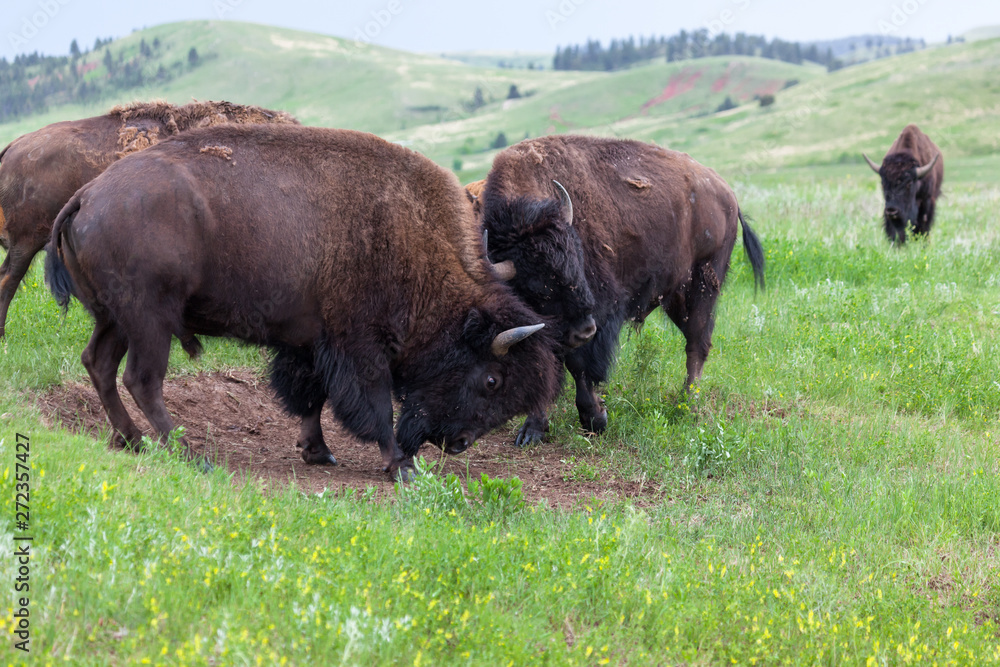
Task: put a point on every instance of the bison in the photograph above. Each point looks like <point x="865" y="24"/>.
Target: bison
<point x="911" y="173"/>
<point x="41" y="170"/>
<point x="635" y="227"/>
<point x="355" y="260"/>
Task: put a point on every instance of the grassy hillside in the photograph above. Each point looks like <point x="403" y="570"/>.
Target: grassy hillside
<point x="323" y="80"/>
<point x="341" y="83"/>
<point x="827" y="119"/>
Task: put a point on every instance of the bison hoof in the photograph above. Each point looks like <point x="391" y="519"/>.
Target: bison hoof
<point x="405" y="474"/>
<point x="318" y="458"/>
<point x="595" y="423"/>
<point x="202" y="465"/>
<point x="529" y="434"/>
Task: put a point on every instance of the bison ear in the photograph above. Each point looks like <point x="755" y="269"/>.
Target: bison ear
<point x="924" y="170"/>
<point x="876" y="168"/>
<point x="567" y="204"/>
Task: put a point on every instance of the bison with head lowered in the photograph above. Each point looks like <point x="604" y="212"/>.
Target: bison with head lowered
<point x="354" y="259"/>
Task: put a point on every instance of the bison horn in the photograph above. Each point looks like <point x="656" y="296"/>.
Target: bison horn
<point x="567" y="203"/>
<point x="510" y="337"/>
<point x="924" y="170"/>
<point x="876" y="168"/>
<point x="505" y="270"/>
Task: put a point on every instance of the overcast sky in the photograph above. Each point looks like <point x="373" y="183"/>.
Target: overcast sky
<point x="49" y="26"/>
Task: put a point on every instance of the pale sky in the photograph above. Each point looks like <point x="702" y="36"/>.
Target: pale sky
<point x="49" y="26"/>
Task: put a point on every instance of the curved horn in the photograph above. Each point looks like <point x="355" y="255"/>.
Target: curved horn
<point x="876" y="168"/>
<point x="505" y="270"/>
<point x="566" y="202"/>
<point x="510" y="337"/>
<point x="924" y="170"/>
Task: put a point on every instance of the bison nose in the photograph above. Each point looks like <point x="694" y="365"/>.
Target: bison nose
<point x="892" y="211"/>
<point x="581" y="334"/>
<point x="459" y="444"/>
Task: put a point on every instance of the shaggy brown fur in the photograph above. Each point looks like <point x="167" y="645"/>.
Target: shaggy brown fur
<point x="41" y="170"/>
<point x="650" y="227"/>
<point x="355" y="259"/>
<point x="910" y="200"/>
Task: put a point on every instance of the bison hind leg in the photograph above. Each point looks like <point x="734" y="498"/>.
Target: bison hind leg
<point x="692" y="310"/>
<point x="101" y="358"/>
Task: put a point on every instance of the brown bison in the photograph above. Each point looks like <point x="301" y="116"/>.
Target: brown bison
<point x="356" y="260"/>
<point x="635" y="227"/>
<point x="41" y="170"/>
<point x="912" y="172"/>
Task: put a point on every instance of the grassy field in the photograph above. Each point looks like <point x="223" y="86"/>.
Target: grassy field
<point x="828" y="497"/>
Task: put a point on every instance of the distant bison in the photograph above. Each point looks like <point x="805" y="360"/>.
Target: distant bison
<point x="41" y="170"/>
<point x="356" y="260"/>
<point x="635" y="227"/>
<point x="912" y="172"/>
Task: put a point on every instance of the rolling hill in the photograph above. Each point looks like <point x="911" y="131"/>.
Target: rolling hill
<point x="425" y="101"/>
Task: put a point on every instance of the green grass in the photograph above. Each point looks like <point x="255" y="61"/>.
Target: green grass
<point x="827" y="496"/>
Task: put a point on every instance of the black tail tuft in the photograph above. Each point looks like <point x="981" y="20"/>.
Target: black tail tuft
<point x="56" y="274"/>
<point x="754" y="251"/>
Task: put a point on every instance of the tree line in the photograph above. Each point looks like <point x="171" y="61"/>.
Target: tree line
<point x="31" y="83"/>
<point x="685" y="46"/>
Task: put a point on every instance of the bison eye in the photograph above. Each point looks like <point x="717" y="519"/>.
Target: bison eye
<point x="492" y="383"/>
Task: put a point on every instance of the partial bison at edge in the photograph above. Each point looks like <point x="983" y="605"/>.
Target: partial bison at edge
<point x="911" y="172"/>
<point x="592" y="230"/>
<point x="354" y="259"/>
<point x="41" y="170"/>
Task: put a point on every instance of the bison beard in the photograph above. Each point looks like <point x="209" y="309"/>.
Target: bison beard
<point x="41" y="170"/>
<point x="641" y="227"/>
<point x="352" y="258"/>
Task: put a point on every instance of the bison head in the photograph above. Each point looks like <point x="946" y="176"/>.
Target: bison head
<point x="476" y="379"/>
<point x="901" y="176"/>
<point x="537" y="250"/>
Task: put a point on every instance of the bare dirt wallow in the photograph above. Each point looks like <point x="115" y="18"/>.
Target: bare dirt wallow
<point x="234" y="417"/>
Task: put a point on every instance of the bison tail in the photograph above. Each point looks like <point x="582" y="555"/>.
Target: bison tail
<point x="754" y="251"/>
<point x="56" y="273"/>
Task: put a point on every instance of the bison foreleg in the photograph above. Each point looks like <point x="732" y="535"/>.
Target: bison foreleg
<point x="533" y="429"/>
<point x="311" y="441"/>
<point x="593" y="415"/>
<point x="301" y="392"/>
<point x="359" y="389"/>
<point x="925" y="217"/>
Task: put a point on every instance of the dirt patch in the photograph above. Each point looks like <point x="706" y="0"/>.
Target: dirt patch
<point x="234" y="417"/>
